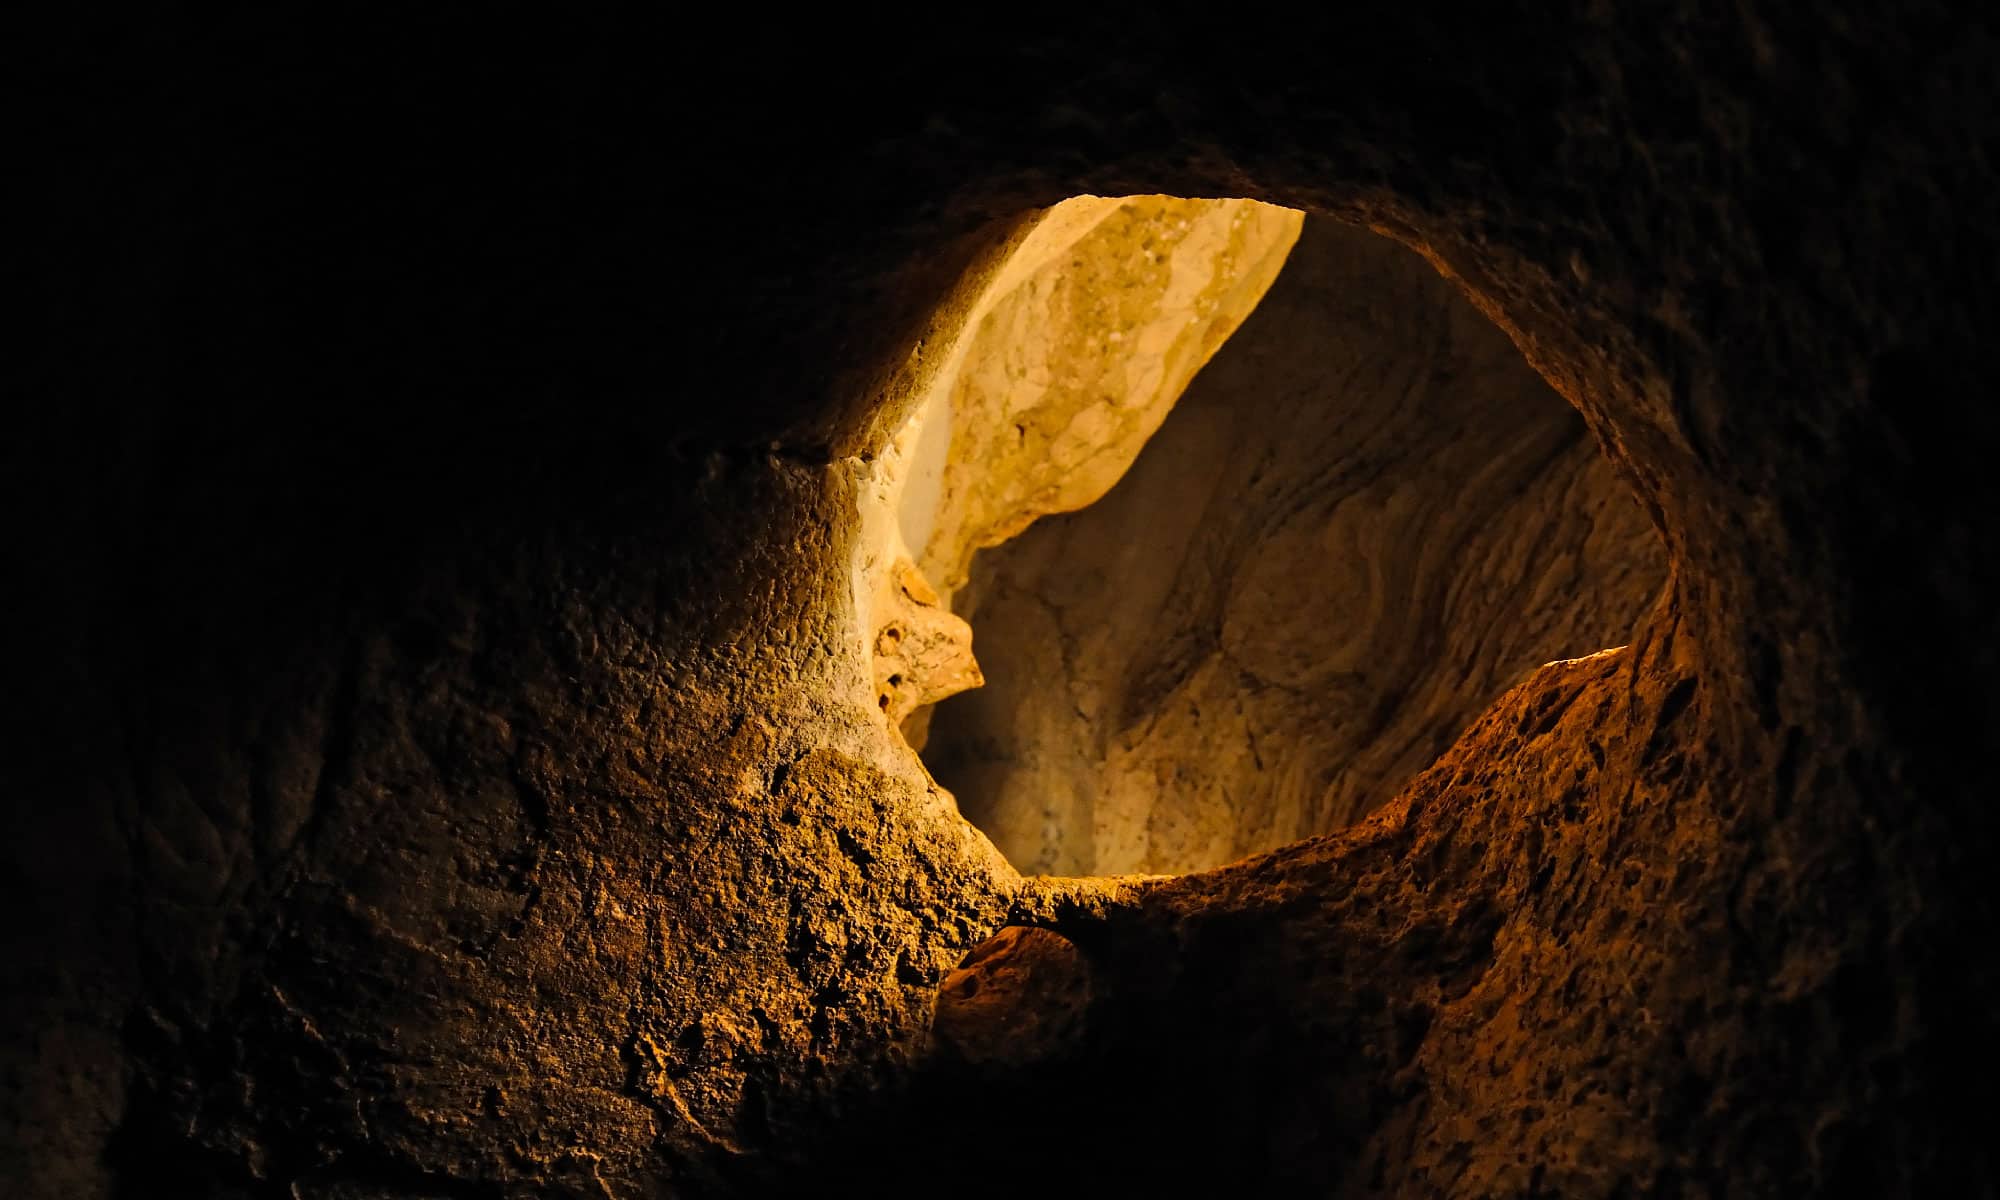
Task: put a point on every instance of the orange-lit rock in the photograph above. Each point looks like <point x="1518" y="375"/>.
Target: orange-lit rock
<point x="922" y="652"/>
<point x="1079" y="356"/>
<point x="1067" y="361"/>
<point x="1365" y="519"/>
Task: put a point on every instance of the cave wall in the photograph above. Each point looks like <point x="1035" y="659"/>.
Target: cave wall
<point x="1064" y="365"/>
<point x="1364" y="519"/>
<point x="345" y="334"/>
<point x="1064" y="376"/>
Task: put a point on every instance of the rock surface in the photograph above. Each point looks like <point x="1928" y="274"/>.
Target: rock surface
<point x="1021" y="998"/>
<point x="922" y="651"/>
<point x="450" y="766"/>
<point x="1069" y="370"/>
<point x="1068" y="360"/>
<point x="1365" y="519"/>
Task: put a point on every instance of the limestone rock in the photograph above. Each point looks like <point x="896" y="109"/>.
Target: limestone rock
<point x="1070" y="358"/>
<point x="1365" y="519"/>
<point x="923" y="653"/>
<point x="1066" y="375"/>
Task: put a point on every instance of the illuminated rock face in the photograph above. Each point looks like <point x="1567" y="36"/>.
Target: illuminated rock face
<point x="922" y="653"/>
<point x="1365" y="519"/>
<point x="1067" y="362"/>
<point x="1069" y="371"/>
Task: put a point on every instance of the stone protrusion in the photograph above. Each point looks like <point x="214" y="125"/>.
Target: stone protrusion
<point x="1067" y="374"/>
<point x="923" y="653"/>
<point x="1068" y="363"/>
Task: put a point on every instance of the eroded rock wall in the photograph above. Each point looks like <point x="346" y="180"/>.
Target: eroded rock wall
<point x="1364" y="519"/>
<point x="1065" y="364"/>
<point x="492" y="947"/>
<point x="351" y="328"/>
<point x="1080" y="355"/>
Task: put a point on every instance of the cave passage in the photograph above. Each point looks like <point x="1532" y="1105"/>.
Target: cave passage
<point x="610" y="613"/>
<point x="1352" y="526"/>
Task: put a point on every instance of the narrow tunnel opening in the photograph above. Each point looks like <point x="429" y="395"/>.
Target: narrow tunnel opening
<point x="1248" y="514"/>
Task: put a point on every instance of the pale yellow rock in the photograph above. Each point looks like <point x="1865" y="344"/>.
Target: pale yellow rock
<point x="922" y="652"/>
<point x="1069" y="360"/>
<point x="1074" y="365"/>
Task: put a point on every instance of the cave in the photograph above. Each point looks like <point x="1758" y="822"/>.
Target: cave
<point x="507" y="533"/>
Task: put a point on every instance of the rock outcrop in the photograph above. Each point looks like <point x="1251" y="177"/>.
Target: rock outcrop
<point x="922" y="651"/>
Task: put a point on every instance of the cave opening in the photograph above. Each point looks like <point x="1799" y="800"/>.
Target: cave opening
<point x="450" y="758"/>
<point x="1214" y="526"/>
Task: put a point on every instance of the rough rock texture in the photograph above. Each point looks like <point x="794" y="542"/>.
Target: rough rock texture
<point x="449" y="768"/>
<point x="1066" y="363"/>
<point x="922" y="651"/>
<point x="1365" y="519"/>
<point x="1078" y="357"/>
